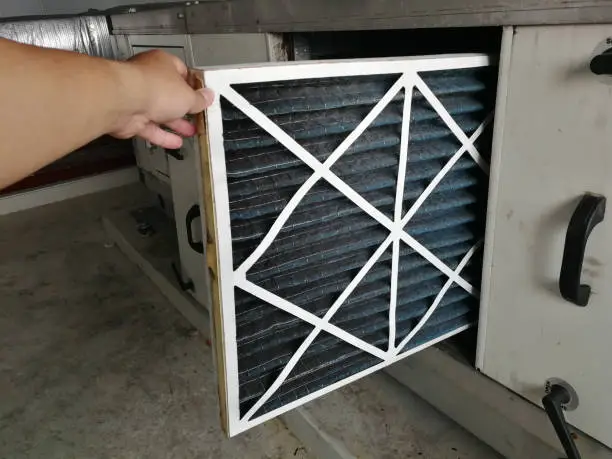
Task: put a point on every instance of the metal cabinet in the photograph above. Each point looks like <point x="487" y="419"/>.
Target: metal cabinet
<point x="179" y="170"/>
<point x="175" y="176"/>
<point x="152" y="158"/>
<point x="184" y="166"/>
<point x="553" y="145"/>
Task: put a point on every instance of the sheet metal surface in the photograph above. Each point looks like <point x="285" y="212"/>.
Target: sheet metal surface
<point x="223" y="16"/>
<point x="83" y="34"/>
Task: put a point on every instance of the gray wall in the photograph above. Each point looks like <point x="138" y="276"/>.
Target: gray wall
<point x="9" y="8"/>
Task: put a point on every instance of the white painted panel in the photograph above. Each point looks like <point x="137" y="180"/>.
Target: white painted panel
<point x="152" y="159"/>
<point x="556" y="145"/>
<point x="185" y="194"/>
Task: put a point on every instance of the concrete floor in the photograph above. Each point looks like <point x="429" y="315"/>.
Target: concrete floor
<point x="95" y="363"/>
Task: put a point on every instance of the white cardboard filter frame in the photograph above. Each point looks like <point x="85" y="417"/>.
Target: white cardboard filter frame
<point x="221" y="81"/>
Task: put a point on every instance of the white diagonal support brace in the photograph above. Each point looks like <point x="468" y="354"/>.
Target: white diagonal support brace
<point x="462" y="264"/>
<point x="451" y="123"/>
<point x="306" y="316"/>
<point x="314" y="333"/>
<point x="399" y="204"/>
<point x="408" y="81"/>
<point x="290" y="144"/>
<point x="320" y="169"/>
<point x="445" y="170"/>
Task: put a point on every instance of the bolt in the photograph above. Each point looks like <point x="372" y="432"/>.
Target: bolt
<point x="180" y="16"/>
<point x="144" y="229"/>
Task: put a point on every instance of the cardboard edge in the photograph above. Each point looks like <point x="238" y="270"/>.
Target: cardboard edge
<point x="196" y="80"/>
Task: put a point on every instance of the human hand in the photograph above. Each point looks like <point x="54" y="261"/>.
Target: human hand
<point x="156" y="87"/>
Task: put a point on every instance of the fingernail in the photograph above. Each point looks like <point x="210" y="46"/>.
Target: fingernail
<point x="208" y="94"/>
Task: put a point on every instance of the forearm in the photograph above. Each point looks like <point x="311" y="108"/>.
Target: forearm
<point x="53" y="102"/>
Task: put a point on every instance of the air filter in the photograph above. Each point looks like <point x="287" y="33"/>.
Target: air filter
<point x="345" y="215"/>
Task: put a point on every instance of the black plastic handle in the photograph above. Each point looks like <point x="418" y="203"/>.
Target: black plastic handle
<point x="192" y="214"/>
<point x="553" y="404"/>
<point x="176" y="153"/>
<point x="589" y="212"/>
<point x="602" y="63"/>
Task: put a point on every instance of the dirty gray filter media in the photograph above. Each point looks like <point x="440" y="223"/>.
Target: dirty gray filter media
<point x="328" y="238"/>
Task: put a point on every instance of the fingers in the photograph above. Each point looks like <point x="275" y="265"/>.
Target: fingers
<point x="163" y="58"/>
<point x="182" y="127"/>
<point x="180" y="66"/>
<point x="156" y="135"/>
<point x="204" y="98"/>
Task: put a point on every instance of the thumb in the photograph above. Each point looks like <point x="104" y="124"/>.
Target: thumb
<point x="203" y="98"/>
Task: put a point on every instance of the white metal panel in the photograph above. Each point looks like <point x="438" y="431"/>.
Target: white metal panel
<point x="556" y="145"/>
<point x="152" y="159"/>
<point x="498" y="131"/>
<point x="186" y="192"/>
<point x="511" y="425"/>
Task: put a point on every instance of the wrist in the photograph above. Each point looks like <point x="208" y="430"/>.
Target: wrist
<point x="129" y="93"/>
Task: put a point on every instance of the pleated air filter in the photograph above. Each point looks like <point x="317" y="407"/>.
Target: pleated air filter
<point x="346" y="206"/>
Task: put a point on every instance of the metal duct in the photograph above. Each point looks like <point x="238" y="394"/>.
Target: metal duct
<point x="87" y="35"/>
<point x="84" y="34"/>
